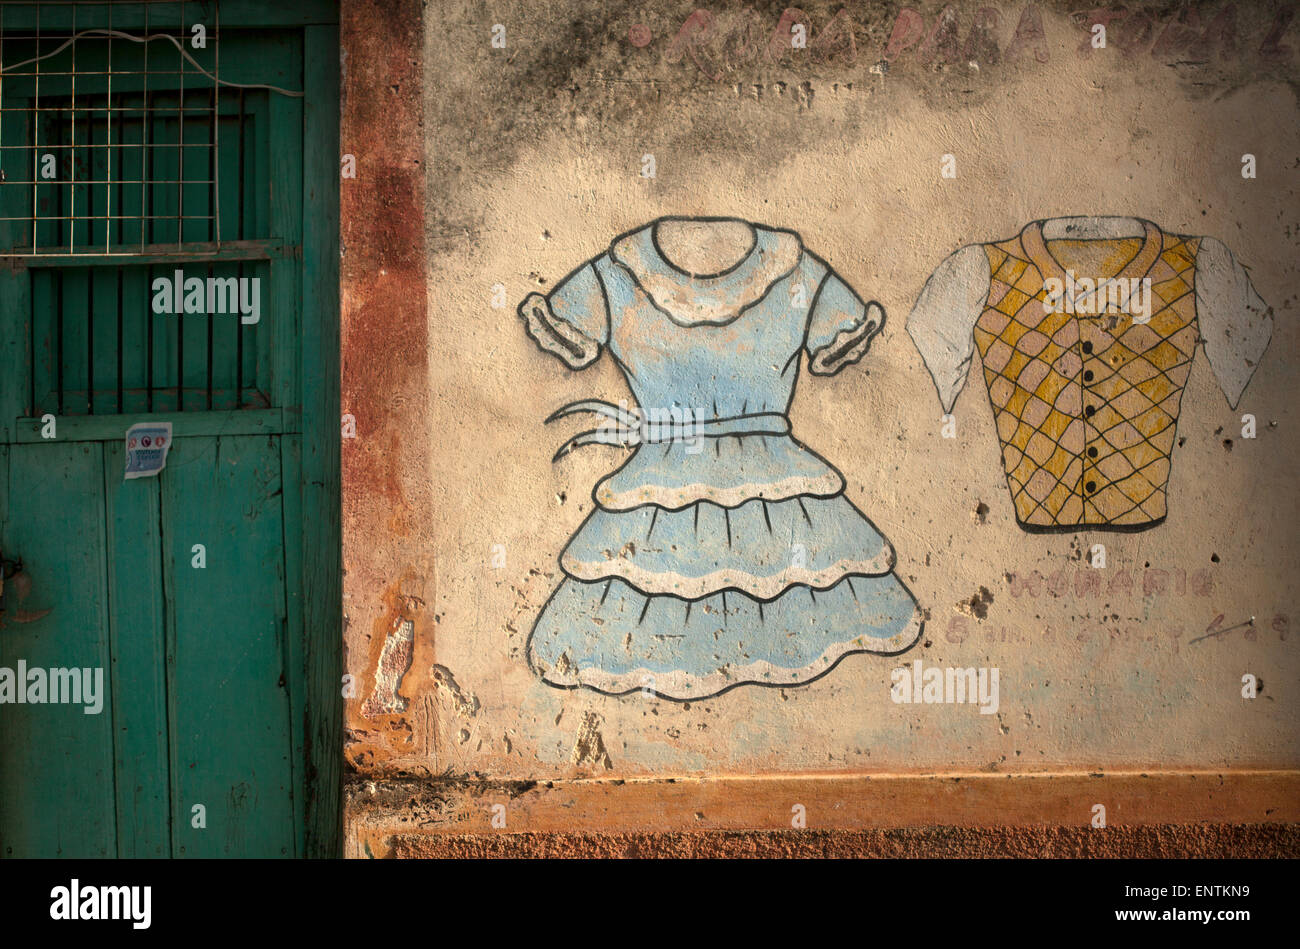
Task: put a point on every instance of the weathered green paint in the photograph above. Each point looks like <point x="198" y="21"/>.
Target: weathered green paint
<point x="56" y="783"/>
<point x="322" y="563"/>
<point x="186" y="425"/>
<point x="222" y="683"/>
<point x="15" y="341"/>
<point x="291" y="473"/>
<point x="228" y="695"/>
<point x="135" y="593"/>
<point x="200" y="252"/>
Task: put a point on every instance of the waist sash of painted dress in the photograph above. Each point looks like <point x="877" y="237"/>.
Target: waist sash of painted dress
<point x="632" y="427"/>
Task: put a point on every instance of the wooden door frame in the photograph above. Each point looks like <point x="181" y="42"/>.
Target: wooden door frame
<point x="322" y="545"/>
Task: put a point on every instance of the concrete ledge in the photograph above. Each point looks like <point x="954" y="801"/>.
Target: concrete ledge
<point x="1221" y="841"/>
<point x="393" y="817"/>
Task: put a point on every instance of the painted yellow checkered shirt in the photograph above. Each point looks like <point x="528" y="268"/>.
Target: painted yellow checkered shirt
<point x="1086" y="403"/>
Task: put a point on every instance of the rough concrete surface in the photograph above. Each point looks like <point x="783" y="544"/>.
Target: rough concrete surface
<point x="1215" y="841"/>
<point x="482" y="168"/>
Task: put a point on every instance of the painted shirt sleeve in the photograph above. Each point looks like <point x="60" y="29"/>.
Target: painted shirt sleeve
<point x="572" y="321"/>
<point x="841" y="325"/>
<point x="1235" y="323"/>
<point x="942" y="322"/>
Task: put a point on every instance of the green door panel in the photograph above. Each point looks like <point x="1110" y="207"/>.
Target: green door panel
<point x="140" y="731"/>
<point x="56" y="774"/>
<point x="229" y="677"/>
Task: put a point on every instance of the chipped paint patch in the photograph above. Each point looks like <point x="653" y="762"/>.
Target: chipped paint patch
<point x="978" y="605"/>
<point x="387" y="720"/>
<point x="589" y="749"/>
<point x="394" y="663"/>
<point x="466" y="704"/>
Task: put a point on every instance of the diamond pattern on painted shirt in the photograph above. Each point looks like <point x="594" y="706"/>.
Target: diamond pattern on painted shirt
<point x="1044" y="371"/>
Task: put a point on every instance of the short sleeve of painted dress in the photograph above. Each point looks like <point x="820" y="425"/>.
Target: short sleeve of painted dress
<point x="841" y="325"/>
<point x="1235" y="323"/>
<point x="941" y="323"/>
<point x="572" y="321"/>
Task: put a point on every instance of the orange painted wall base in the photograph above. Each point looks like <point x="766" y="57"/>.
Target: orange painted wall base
<point x="1170" y="813"/>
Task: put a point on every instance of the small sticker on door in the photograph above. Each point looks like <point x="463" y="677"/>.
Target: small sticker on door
<point x="147" y="444"/>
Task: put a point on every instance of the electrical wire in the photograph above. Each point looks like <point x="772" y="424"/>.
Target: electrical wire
<point x="117" y="34"/>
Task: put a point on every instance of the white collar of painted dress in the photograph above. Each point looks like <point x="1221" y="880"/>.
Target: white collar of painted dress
<point x="1036" y="234"/>
<point x="713" y="299"/>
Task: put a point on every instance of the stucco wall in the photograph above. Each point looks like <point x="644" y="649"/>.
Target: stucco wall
<point x="481" y="168"/>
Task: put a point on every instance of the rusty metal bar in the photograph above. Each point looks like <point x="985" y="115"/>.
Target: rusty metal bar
<point x="72" y="162"/>
<point x="180" y="165"/>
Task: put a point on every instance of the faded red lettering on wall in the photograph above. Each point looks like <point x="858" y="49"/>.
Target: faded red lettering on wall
<point x="716" y="44"/>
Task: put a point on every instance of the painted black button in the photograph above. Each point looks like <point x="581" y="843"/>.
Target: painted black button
<point x="1091" y="486"/>
<point x="1090" y="411"/>
<point x="1087" y="347"/>
<point x="1087" y="376"/>
<point x="1092" y="452"/>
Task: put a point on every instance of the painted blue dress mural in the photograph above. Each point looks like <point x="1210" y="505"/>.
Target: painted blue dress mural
<point x="723" y="552"/>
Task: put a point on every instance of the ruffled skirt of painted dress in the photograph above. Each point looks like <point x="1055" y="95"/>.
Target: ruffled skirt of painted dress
<point x="705" y="567"/>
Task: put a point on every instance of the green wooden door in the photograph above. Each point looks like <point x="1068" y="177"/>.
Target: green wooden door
<point x="127" y="168"/>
